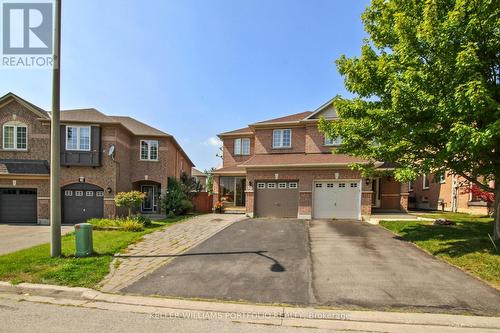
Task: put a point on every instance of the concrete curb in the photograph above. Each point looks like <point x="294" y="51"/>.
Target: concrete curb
<point x="164" y="308"/>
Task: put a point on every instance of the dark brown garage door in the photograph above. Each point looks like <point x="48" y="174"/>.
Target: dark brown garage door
<point x="18" y="205"/>
<point x="81" y="202"/>
<point x="276" y="199"/>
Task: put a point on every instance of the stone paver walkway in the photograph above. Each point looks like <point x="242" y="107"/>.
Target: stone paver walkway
<point x="162" y="246"/>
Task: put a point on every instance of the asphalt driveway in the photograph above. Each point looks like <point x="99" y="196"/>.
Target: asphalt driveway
<point x="14" y="237"/>
<point x="344" y="264"/>
<point x="256" y="260"/>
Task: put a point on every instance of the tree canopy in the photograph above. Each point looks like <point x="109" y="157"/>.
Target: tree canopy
<point x="426" y="89"/>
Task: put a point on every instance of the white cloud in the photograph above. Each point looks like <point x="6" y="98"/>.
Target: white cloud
<point x="213" y="141"/>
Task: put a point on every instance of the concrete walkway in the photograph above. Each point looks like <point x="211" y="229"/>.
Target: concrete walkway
<point x="15" y="237"/>
<point x="161" y="247"/>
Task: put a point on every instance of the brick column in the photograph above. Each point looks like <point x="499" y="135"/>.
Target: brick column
<point x="305" y="205"/>
<point x="366" y="204"/>
<point x="215" y="189"/>
<point x="249" y="203"/>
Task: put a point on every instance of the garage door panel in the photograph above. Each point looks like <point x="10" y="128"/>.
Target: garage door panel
<point x="80" y="204"/>
<point x="336" y="199"/>
<point x="276" y="199"/>
<point x="18" y="205"/>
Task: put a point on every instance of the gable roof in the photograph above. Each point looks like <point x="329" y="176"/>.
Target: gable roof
<point x="326" y="108"/>
<point x="85" y="116"/>
<point x="138" y="128"/>
<point x="296" y="117"/>
<point x="10" y="97"/>
<point x="240" y="131"/>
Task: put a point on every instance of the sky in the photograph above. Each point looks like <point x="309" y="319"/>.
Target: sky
<point x="196" y="68"/>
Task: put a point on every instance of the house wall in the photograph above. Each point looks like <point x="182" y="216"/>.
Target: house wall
<point x="118" y="175"/>
<point x="305" y="179"/>
<point x="264" y="141"/>
<point x="315" y="140"/>
<point x="430" y="198"/>
<point x="228" y="151"/>
<point x="38" y="133"/>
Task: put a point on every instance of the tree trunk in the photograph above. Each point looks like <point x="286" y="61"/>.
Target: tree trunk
<point x="496" y="214"/>
<point x="129" y="212"/>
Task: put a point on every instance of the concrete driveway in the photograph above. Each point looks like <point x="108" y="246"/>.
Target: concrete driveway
<point x="344" y="264"/>
<point x="359" y="265"/>
<point x="14" y="237"/>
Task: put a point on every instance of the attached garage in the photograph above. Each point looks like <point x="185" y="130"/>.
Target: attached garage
<point x="81" y="202"/>
<point x="18" y="205"/>
<point x="337" y="199"/>
<point x="276" y="198"/>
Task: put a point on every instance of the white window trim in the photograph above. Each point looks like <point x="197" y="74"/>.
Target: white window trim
<point x="443" y="180"/>
<point x="410" y="186"/>
<point x="282" y="130"/>
<point x="424" y="179"/>
<point x="78" y="137"/>
<point x="335" y="142"/>
<point x="149" y="150"/>
<point x="15" y="125"/>
<point x="241" y="151"/>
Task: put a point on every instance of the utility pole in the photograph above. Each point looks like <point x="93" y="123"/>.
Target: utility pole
<point x="55" y="140"/>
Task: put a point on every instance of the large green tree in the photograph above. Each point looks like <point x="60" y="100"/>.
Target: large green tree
<point x="427" y="90"/>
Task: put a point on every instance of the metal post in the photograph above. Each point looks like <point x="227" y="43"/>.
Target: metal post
<point x="55" y="141"/>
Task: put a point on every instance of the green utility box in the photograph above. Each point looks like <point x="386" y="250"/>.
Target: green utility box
<point x="83" y="240"/>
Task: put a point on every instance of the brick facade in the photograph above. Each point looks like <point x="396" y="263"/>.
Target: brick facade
<point x="442" y="192"/>
<point x="124" y="173"/>
<point x="307" y="141"/>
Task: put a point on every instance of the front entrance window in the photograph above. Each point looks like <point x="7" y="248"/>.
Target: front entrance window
<point x="376" y="192"/>
<point x="232" y="190"/>
<point x="150" y="203"/>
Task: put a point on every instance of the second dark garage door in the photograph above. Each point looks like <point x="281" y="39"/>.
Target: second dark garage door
<point x="81" y="202"/>
<point x="276" y="198"/>
<point x="18" y="205"/>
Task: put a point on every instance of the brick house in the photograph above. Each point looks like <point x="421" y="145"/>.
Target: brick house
<point x="100" y="156"/>
<point x="284" y="167"/>
<point x="442" y="192"/>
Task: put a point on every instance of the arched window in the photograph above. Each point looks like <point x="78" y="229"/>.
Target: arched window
<point x="15" y="136"/>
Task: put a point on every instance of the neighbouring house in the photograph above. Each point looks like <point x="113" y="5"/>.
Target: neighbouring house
<point x="445" y="192"/>
<point x="101" y="155"/>
<point x="201" y="177"/>
<point x="284" y="167"/>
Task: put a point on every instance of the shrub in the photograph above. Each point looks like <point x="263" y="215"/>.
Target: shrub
<point x="132" y="199"/>
<point x="144" y="220"/>
<point x="128" y="224"/>
<point x="131" y="225"/>
<point x="175" y="201"/>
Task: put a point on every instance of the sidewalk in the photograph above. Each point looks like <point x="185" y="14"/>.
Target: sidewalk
<point x="161" y="247"/>
<point x="163" y="309"/>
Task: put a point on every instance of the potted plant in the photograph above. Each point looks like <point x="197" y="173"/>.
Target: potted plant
<point x="219" y="207"/>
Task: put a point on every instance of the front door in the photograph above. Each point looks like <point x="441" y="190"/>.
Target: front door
<point x="149" y="203"/>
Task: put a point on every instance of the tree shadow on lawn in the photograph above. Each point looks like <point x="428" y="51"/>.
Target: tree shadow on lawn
<point x="453" y="240"/>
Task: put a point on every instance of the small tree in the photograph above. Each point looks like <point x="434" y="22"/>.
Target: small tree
<point x="190" y="185"/>
<point x="210" y="180"/>
<point x="132" y="199"/>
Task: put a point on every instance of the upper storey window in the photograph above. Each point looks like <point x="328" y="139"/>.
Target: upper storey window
<point x="149" y="150"/>
<point x="282" y="138"/>
<point x="333" y="141"/>
<point x="15" y="136"/>
<point x="242" y="146"/>
<point x="78" y="138"/>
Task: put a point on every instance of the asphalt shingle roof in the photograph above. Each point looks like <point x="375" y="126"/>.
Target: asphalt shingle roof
<point x="32" y="167"/>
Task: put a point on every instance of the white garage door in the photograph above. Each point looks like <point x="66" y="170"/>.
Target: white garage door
<point x="337" y="200"/>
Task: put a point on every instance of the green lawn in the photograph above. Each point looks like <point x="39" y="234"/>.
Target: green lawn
<point x="465" y="244"/>
<point x="35" y="265"/>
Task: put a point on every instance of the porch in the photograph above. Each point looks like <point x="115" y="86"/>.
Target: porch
<point x="151" y="204"/>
